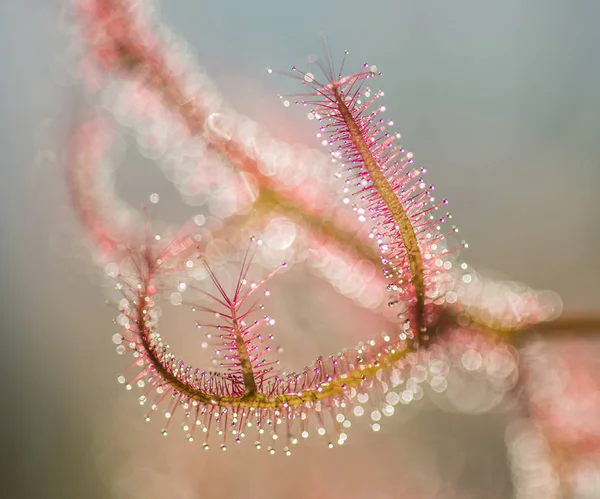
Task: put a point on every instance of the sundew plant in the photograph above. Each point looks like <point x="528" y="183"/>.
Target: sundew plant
<point x="361" y="214"/>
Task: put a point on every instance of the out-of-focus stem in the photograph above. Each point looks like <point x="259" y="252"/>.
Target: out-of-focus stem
<point x="269" y="199"/>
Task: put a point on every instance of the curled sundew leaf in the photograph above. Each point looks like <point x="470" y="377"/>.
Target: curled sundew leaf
<point x="245" y="394"/>
<point x="389" y="191"/>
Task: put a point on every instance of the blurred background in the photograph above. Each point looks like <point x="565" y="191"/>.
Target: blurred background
<point x="499" y="101"/>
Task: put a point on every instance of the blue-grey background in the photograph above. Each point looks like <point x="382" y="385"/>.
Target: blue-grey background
<point x="499" y="100"/>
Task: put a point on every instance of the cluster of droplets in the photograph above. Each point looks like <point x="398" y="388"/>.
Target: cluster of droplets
<point x="558" y="448"/>
<point x="482" y="372"/>
<point x="501" y="304"/>
<point x="356" y="279"/>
